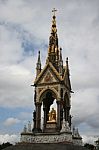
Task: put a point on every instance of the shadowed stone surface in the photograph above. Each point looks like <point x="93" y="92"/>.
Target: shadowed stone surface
<point x="45" y="147"/>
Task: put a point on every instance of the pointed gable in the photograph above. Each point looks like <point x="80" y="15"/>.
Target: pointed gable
<point x="48" y="75"/>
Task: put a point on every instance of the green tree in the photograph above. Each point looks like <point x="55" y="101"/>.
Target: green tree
<point x="4" y="145"/>
<point x="89" y="146"/>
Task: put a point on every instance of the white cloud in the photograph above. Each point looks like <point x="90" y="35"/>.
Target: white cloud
<point x="10" y="46"/>
<point x="89" y="139"/>
<point x="85" y="110"/>
<point x="18" y="90"/>
<point x="11" y="121"/>
<point x="9" y="138"/>
<point x="15" y="71"/>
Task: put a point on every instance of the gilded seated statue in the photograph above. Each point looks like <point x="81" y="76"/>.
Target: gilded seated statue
<point x="52" y="115"/>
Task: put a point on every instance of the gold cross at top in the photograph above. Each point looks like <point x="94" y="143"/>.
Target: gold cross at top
<point x="54" y="10"/>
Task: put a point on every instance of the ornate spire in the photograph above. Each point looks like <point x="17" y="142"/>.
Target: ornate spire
<point x="39" y="60"/>
<point x="67" y="66"/>
<point x="38" y="65"/>
<point x="68" y="74"/>
<point x="53" y="40"/>
<point x="61" y="54"/>
<point x="53" y="50"/>
<point x="60" y="63"/>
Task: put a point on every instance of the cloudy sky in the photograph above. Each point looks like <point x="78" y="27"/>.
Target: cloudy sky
<point x="25" y="29"/>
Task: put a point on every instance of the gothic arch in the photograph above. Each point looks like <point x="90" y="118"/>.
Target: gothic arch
<point x="47" y="98"/>
<point x="45" y="91"/>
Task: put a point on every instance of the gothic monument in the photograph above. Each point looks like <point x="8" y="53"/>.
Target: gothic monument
<point x="52" y="86"/>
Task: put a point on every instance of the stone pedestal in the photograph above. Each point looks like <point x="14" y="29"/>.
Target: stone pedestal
<point x="46" y="138"/>
<point x="50" y="127"/>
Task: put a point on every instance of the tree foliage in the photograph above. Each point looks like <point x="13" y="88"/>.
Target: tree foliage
<point x="89" y="146"/>
<point x="4" y="145"/>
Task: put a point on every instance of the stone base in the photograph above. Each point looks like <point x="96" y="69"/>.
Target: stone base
<point x="50" y="127"/>
<point x="77" y="140"/>
<point x="51" y="135"/>
<point x="36" y="130"/>
<point x="46" y="138"/>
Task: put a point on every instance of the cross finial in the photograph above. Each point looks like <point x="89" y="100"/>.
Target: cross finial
<point x="54" y="10"/>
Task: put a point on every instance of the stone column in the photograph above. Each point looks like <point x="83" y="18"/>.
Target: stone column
<point x="38" y="116"/>
<point x="44" y="119"/>
<point x="67" y="113"/>
<point x="34" y="120"/>
<point x="58" y="115"/>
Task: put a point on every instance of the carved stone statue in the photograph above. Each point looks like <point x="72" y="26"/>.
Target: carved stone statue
<point x="65" y="126"/>
<point x="52" y="115"/>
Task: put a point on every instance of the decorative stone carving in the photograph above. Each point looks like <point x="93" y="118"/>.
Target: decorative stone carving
<point x="25" y="129"/>
<point x="56" y="88"/>
<point x="39" y="90"/>
<point x="29" y="126"/>
<point x="76" y="132"/>
<point x="48" y="77"/>
<point x="65" y="126"/>
<point x="77" y="139"/>
<point x="53" y="138"/>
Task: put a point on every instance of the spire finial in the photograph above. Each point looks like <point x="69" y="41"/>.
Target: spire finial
<point x="67" y="60"/>
<point x="54" y="10"/>
<point x="53" y="38"/>
<point x="38" y="65"/>
<point x="67" y="63"/>
<point x="60" y="54"/>
<point x="39" y="61"/>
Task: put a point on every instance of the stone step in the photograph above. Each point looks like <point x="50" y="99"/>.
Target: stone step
<point x="26" y="146"/>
